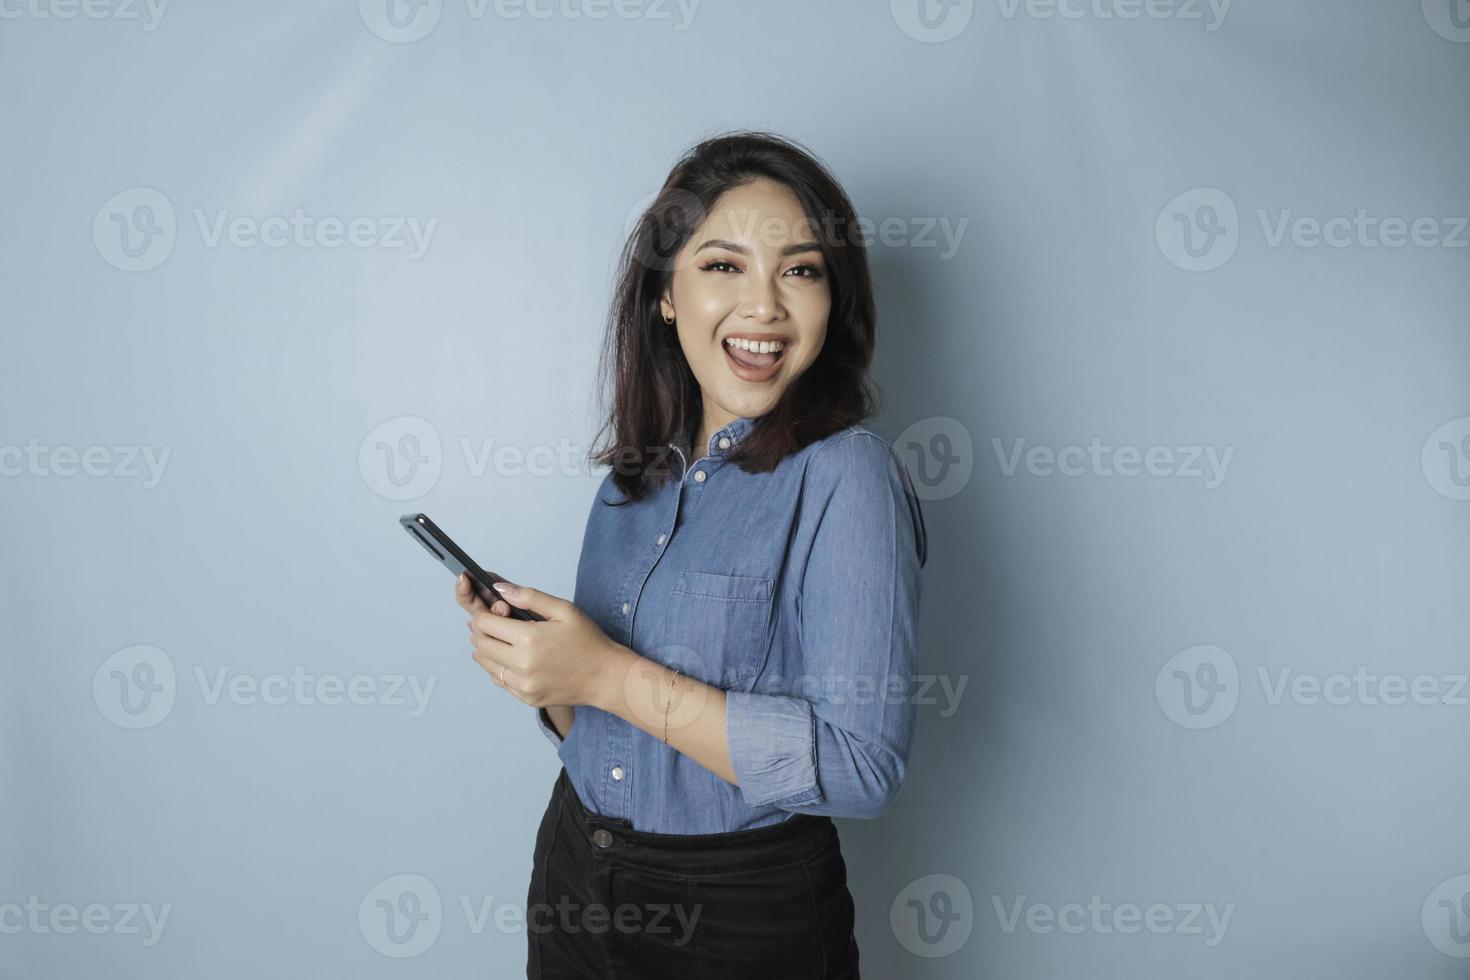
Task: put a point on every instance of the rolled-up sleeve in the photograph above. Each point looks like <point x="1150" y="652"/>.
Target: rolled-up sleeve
<point x="550" y="730"/>
<point x="838" y="744"/>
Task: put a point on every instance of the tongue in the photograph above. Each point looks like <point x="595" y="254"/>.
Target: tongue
<point x="751" y="359"/>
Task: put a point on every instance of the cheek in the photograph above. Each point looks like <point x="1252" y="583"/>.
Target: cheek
<point x="702" y="293"/>
<point x="810" y="307"/>
<point x="713" y="304"/>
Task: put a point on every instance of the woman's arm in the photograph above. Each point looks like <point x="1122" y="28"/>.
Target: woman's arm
<point x="840" y="746"/>
<point x="561" y="717"/>
<point x="637" y="690"/>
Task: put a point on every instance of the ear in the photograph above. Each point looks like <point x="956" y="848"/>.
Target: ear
<point x="665" y="307"/>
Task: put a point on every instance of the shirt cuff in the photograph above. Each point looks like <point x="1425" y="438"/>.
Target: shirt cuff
<point x="545" y="724"/>
<point x="773" y="748"/>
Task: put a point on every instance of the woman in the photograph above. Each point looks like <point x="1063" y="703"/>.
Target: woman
<point x="734" y="668"/>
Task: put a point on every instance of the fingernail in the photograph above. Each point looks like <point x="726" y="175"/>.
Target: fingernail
<point x="505" y="588"/>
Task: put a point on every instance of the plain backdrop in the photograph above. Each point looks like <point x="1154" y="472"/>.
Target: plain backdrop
<point x="1173" y="333"/>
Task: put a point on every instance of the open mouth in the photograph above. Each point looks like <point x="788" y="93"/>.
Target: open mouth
<point x="754" y="359"/>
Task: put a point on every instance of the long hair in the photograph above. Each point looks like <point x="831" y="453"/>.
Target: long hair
<point x="655" y="398"/>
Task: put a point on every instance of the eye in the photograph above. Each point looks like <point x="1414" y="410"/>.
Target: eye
<point x="812" y="271"/>
<point x="716" y="264"/>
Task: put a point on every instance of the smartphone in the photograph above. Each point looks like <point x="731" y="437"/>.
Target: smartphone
<point x="452" y="557"/>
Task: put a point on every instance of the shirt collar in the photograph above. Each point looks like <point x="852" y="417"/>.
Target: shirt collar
<point x="735" y="431"/>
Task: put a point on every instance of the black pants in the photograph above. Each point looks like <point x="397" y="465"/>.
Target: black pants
<point x="608" y="901"/>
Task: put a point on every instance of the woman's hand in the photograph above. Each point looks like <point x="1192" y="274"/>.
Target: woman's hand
<point x="565" y="660"/>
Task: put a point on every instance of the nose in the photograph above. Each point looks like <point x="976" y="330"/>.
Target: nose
<point x="761" y="301"/>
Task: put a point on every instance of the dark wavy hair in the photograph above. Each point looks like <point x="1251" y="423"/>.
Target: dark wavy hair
<point x="655" y="398"/>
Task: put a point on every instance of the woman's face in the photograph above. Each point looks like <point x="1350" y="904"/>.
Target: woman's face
<point x="751" y="273"/>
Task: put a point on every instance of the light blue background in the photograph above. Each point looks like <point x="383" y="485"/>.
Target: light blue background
<point x="1057" y="600"/>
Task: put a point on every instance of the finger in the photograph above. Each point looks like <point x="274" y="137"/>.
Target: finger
<point x="496" y="669"/>
<point x="466" y="596"/>
<point x="488" y="645"/>
<point x="470" y="599"/>
<point x="502" y="628"/>
<point x="543" y="604"/>
<point x="489" y="653"/>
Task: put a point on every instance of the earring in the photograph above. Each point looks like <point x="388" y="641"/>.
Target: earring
<point x="669" y="320"/>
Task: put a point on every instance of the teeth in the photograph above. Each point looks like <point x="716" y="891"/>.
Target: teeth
<point x="756" y="346"/>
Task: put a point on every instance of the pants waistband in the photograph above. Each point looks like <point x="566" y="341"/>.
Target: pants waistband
<point x="796" y="838"/>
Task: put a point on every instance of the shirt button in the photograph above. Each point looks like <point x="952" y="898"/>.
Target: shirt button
<point x="617" y="772"/>
<point x="661" y="538"/>
<point x="699" y="476"/>
<point x="602" y="837"/>
<point x="724" y="442"/>
<point x="625" y="609"/>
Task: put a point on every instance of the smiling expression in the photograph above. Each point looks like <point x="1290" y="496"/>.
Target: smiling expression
<point x="752" y="273"/>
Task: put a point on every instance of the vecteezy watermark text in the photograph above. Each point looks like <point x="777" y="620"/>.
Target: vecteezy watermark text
<point x="39" y="918"/>
<point x="1207" y="463"/>
<point x="1211" y="13"/>
<point x="1200" y="687"/>
<point x="1124" y="918"/>
<point x="403" y="915"/>
<point x="148" y="13"/>
<point x="937" y="21"/>
<point x="144" y="463"/>
<point x="1201" y="230"/>
<point x="138" y="686"/>
<point x="406" y="21"/>
<point x="137" y="229"/>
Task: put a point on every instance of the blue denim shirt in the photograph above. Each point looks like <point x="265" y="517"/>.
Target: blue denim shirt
<point x="797" y="593"/>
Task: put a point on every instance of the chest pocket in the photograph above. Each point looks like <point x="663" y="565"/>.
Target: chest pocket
<point x="718" y="628"/>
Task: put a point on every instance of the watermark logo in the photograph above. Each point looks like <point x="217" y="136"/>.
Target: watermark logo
<point x="306" y="689"/>
<point x="1446" y="917"/>
<point x="1450" y="19"/>
<point x="401" y="459"/>
<point x="401" y="916"/>
<point x="404" y="915"/>
<point x="932" y="21"/>
<point x="1104" y="918"/>
<point x="65" y="918"/>
<point x="143" y="463"/>
<point x="940" y="455"/>
<point x="1199" y="230"/>
<point x="400" y="21"/>
<point x="1208" y="464"/>
<point x="670" y="704"/>
<point x="406" y="21"/>
<point x="933" y="916"/>
<point x="135" y="230"/>
<point x="1198" y="687"/>
<point x="1446" y="459"/>
<point x="1362" y="687"/>
<point x="135" y="687"/>
<point x="148" y="13"/>
<point x="657" y="223"/>
<point x="1211" y="13"/>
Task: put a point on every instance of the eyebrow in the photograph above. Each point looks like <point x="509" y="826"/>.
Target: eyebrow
<point x="737" y="247"/>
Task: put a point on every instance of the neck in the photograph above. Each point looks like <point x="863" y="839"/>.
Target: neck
<point x="710" y="423"/>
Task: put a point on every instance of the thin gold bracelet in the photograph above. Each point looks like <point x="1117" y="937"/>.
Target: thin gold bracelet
<point x="668" y="700"/>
